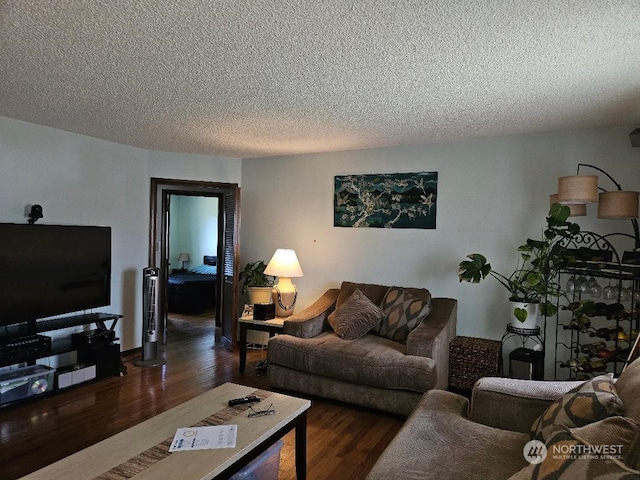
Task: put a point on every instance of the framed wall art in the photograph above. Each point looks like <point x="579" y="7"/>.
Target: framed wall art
<point x="388" y="200"/>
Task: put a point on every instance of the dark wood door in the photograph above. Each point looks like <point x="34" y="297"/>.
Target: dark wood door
<point x="228" y="307"/>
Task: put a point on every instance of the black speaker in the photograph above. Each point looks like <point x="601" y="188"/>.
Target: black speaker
<point x="635" y="138"/>
<point x="105" y="357"/>
<point x="526" y="364"/>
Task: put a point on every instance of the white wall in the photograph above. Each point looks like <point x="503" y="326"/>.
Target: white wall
<point x="493" y="194"/>
<point x="86" y="181"/>
<point x="182" y="166"/>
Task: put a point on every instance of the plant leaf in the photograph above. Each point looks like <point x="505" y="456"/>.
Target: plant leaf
<point x="474" y="269"/>
<point x="533" y="279"/>
<point x="548" y="309"/>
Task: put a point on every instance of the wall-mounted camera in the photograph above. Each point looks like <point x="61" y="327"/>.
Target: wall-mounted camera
<point x="35" y="213"/>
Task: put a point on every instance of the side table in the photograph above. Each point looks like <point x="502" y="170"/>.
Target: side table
<point x="471" y="359"/>
<point x="273" y="327"/>
<point x="525" y="334"/>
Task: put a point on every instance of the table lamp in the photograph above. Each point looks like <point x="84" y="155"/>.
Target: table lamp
<point x="284" y="265"/>
<point x="183" y="257"/>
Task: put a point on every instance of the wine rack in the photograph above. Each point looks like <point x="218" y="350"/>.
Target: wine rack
<point x="608" y="287"/>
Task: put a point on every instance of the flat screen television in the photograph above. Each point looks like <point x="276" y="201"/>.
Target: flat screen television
<point x="48" y="270"/>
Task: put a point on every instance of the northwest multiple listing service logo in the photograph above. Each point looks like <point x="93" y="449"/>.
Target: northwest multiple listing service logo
<point x="535" y="452"/>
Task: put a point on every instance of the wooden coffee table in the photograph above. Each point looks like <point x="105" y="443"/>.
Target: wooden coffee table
<point x="144" y="447"/>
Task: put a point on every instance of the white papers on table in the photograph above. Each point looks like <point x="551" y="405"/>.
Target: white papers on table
<point x="203" y="438"/>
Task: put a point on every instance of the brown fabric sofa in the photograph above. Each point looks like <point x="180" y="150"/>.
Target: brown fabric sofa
<point x="371" y="370"/>
<point x="448" y="437"/>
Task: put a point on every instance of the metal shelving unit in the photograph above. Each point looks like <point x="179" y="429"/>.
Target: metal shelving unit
<point x="603" y="343"/>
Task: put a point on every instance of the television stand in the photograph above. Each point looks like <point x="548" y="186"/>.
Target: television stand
<point x="26" y="343"/>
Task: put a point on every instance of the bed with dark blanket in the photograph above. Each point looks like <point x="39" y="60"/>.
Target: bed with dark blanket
<point x="193" y="291"/>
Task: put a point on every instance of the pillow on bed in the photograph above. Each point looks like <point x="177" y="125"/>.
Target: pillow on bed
<point x="205" y="269"/>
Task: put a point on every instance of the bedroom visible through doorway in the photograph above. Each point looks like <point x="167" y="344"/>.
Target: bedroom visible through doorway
<point x="192" y="253"/>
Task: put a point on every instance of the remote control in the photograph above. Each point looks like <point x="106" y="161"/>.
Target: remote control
<point x="240" y="401"/>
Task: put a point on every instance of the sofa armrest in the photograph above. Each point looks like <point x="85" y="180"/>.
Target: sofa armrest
<point x="310" y="322"/>
<point x="513" y="404"/>
<point x="432" y="337"/>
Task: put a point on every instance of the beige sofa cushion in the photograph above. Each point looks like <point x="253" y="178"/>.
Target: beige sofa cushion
<point x="369" y="360"/>
<point x="621" y="432"/>
<point x="355" y="317"/>
<point x="373" y="292"/>
<point x="439" y="441"/>
<point x="628" y="387"/>
<point x="376" y="293"/>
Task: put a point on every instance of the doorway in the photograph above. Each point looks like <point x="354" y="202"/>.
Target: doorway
<point x="192" y="287"/>
<point x="226" y="255"/>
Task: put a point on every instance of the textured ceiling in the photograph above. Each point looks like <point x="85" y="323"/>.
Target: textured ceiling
<point x="252" y="78"/>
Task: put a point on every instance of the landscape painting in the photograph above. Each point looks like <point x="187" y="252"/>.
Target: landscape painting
<point x="388" y="200"/>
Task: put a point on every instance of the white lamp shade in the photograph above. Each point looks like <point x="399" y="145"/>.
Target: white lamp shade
<point x="576" y="189"/>
<point x="183" y="257"/>
<point x="284" y="263"/>
<point x="575" y="210"/>
<point x="618" y="205"/>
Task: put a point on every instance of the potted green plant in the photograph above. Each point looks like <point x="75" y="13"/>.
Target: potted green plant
<point x="256" y="283"/>
<point x="533" y="285"/>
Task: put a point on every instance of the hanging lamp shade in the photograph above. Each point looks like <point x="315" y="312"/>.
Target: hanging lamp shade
<point x="578" y="189"/>
<point x="575" y="209"/>
<point x="618" y="204"/>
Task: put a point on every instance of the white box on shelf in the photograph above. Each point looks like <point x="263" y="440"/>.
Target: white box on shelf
<point x="75" y="376"/>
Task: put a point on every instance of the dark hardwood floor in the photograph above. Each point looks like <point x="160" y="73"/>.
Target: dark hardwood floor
<point x="343" y="441"/>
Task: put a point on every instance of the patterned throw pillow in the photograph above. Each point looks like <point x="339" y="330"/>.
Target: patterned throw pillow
<point x="402" y="312"/>
<point x="355" y="317"/>
<point x="570" y="457"/>
<point x="587" y="403"/>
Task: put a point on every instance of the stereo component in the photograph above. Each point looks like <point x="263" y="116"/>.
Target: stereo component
<point x="92" y="337"/>
<point x="21" y="349"/>
<point x="25" y="382"/>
